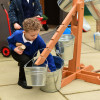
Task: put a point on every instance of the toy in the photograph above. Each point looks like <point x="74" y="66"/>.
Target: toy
<point x="43" y="20"/>
<point x="21" y="46"/>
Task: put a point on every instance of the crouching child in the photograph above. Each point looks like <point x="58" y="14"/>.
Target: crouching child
<point x="32" y="41"/>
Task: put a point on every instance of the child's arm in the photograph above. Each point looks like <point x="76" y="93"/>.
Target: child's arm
<point x="12" y="12"/>
<point x="38" y="8"/>
<point x="12" y="45"/>
<point x="11" y="42"/>
<point x="50" y="59"/>
<point x="51" y="63"/>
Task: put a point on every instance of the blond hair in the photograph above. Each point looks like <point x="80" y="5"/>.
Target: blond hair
<point x="31" y="24"/>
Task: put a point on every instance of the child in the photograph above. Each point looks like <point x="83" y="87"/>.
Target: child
<point x="22" y="9"/>
<point x="32" y="40"/>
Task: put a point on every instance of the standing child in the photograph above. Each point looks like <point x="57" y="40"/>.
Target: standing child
<point x="19" y="10"/>
<point x="32" y="40"/>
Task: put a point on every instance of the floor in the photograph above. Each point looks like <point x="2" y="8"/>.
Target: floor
<point x="76" y="90"/>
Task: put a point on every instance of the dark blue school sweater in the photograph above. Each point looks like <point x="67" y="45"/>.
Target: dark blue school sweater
<point x="28" y="8"/>
<point x="31" y="49"/>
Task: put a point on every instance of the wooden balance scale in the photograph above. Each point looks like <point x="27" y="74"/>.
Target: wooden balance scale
<point x="75" y="70"/>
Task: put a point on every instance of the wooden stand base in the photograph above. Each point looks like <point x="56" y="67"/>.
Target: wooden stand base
<point x="84" y="74"/>
<point x="75" y="70"/>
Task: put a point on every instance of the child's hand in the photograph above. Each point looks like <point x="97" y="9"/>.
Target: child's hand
<point x="48" y="70"/>
<point x="18" y="51"/>
<point x="17" y="26"/>
<point x="38" y="16"/>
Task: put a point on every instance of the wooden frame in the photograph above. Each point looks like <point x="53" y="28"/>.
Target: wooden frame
<point x="97" y="25"/>
<point x="75" y="70"/>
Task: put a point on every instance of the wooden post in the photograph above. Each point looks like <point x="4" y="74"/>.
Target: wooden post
<point x="97" y="25"/>
<point x="75" y="70"/>
<point x="74" y="64"/>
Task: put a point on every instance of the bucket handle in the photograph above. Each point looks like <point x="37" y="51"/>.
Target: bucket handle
<point x="34" y="60"/>
<point x="42" y="57"/>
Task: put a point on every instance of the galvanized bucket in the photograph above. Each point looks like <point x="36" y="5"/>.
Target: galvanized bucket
<point x="66" y="46"/>
<point x="97" y="40"/>
<point x="53" y="80"/>
<point x="36" y="75"/>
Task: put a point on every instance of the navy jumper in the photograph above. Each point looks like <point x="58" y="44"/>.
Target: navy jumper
<point x="17" y="13"/>
<point x="31" y="49"/>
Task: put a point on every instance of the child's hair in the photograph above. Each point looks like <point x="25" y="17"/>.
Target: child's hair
<point x="31" y="24"/>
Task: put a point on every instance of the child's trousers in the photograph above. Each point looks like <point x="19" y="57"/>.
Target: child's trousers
<point x="22" y="60"/>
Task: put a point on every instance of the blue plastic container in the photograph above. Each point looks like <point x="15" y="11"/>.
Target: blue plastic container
<point x="68" y="30"/>
<point x="96" y="35"/>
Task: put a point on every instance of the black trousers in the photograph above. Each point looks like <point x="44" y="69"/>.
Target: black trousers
<point x="22" y="60"/>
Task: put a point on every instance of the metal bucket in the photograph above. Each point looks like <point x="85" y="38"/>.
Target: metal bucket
<point x="53" y="80"/>
<point x="92" y="5"/>
<point x="65" y="5"/>
<point x="97" y="40"/>
<point x="36" y="75"/>
<point x="66" y="46"/>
